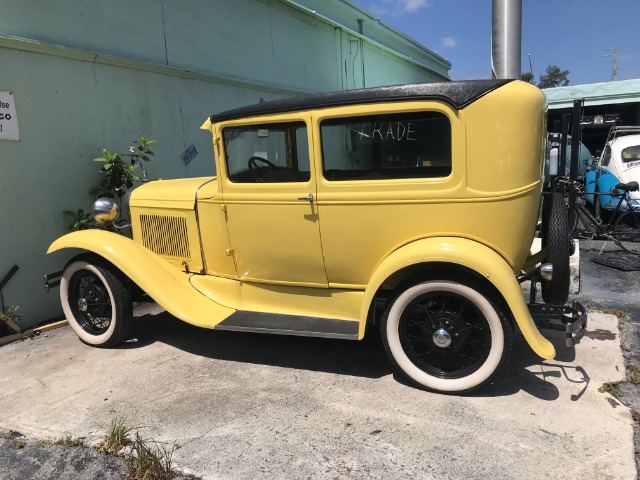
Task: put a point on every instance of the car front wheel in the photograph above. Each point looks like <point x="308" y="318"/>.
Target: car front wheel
<point x="96" y="304"/>
<point x="446" y="336"/>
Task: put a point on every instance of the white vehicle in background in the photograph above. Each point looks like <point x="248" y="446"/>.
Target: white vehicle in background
<point x="618" y="163"/>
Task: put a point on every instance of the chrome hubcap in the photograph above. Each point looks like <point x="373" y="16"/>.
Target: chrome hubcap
<point x="83" y="305"/>
<point x="442" y="338"/>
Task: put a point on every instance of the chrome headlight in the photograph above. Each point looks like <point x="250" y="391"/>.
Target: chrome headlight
<point x="105" y="211"/>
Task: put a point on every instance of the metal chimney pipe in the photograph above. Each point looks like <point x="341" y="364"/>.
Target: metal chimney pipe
<point x="506" y="39"/>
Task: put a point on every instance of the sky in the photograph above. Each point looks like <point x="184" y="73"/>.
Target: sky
<point x="576" y="35"/>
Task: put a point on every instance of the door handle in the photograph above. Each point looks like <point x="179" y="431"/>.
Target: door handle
<point x="308" y="198"/>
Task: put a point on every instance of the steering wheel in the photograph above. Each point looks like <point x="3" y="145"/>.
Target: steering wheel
<point x="253" y="167"/>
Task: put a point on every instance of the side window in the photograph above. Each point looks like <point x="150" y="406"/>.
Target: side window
<point x="606" y="156"/>
<point x="387" y="147"/>
<point x="267" y="153"/>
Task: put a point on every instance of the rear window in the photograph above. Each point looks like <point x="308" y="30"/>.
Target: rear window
<point x="631" y="154"/>
<point x="387" y="147"/>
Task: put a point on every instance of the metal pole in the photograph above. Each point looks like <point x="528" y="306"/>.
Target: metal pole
<point x="506" y="39"/>
<point x="562" y="166"/>
<point x="576" y="136"/>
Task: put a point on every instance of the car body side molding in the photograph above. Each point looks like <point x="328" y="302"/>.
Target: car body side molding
<point x="259" y="322"/>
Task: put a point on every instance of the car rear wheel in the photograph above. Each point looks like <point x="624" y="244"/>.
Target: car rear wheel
<point x="96" y="304"/>
<point x="446" y="336"/>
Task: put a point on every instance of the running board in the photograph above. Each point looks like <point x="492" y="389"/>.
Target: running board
<point x="259" y="322"/>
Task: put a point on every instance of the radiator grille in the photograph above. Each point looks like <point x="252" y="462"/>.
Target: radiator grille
<point x="165" y="235"/>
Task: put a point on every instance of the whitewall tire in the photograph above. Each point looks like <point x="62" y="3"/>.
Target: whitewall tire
<point x="446" y="336"/>
<point x="96" y="304"/>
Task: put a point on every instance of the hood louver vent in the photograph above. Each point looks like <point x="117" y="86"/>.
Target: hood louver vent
<point x="166" y="235"/>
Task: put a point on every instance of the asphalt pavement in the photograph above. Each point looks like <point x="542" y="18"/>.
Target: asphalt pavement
<point x="260" y="406"/>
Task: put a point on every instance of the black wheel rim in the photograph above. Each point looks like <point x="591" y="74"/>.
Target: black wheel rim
<point x="465" y="328"/>
<point x="89" y="301"/>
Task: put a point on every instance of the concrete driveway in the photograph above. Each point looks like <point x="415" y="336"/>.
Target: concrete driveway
<point x="262" y="407"/>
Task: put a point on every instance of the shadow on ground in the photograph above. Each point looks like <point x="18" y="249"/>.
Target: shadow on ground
<point x="364" y="358"/>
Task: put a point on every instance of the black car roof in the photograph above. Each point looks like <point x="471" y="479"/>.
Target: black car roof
<point x="458" y="94"/>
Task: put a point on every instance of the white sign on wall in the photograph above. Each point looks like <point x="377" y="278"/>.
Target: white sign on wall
<point x="8" y="117"/>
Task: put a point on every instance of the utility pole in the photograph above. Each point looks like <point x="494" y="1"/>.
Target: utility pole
<point x="614" y="61"/>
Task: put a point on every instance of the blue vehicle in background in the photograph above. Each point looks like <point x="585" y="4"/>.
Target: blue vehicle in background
<point x="618" y="163"/>
<point x="585" y="158"/>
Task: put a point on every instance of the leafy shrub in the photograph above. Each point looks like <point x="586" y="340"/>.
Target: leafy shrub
<point x="119" y="174"/>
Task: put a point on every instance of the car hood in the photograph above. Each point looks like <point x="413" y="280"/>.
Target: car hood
<point x="181" y="192"/>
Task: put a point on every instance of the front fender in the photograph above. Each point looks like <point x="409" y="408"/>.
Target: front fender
<point x="164" y="283"/>
<point x="474" y="256"/>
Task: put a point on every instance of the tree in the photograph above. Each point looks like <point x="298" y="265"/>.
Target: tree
<point x="554" y="77"/>
<point x="527" y="77"/>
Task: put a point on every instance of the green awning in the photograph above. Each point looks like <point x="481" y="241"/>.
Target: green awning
<point x="607" y="93"/>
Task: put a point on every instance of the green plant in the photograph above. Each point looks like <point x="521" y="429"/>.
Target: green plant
<point x="69" y="441"/>
<point x="633" y="373"/>
<point x="150" y="462"/>
<point x="146" y="460"/>
<point x="118" y="436"/>
<point x="611" y="389"/>
<point x="80" y="220"/>
<point x="119" y="173"/>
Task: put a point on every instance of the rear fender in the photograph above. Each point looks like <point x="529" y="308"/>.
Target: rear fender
<point x="474" y="256"/>
<point x="167" y="285"/>
<point x="606" y="182"/>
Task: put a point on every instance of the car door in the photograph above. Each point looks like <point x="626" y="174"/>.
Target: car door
<point x="269" y="192"/>
<point x="384" y="172"/>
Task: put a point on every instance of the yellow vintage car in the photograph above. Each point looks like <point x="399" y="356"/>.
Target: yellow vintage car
<point x="410" y="208"/>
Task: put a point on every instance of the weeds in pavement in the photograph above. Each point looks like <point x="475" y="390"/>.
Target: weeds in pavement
<point x="69" y="441"/>
<point x="15" y="437"/>
<point x="633" y="373"/>
<point x="635" y="415"/>
<point x="150" y="461"/>
<point x="118" y="437"/>
<point x="611" y="389"/>
<point x="146" y="460"/>
<point x="614" y="311"/>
